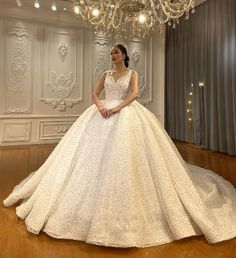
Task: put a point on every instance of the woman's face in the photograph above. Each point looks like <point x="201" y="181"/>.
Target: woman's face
<point x="116" y="55"/>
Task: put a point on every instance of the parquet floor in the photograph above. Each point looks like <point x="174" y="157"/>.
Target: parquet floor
<point x="16" y="242"/>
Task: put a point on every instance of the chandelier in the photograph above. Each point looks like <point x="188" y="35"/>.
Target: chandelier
<point x="131" y="18"/>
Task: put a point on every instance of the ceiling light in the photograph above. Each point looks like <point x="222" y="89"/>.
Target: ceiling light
<point x="36" y="4"/>
<point x="133" y="18"/>
<point x="142" y="18"/>
<point x="54" y="7"/>
<point x="95" y="12"/>
<point x="76" y="9"/>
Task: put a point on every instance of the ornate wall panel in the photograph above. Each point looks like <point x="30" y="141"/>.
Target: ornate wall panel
<point x="16" y="131"/>
<point x="140" y="52"/>
<point x="62" y="86"/>
<point x="49" y="130"/>
<point x="18" y="57"/>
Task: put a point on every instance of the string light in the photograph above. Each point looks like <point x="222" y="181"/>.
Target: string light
<point x="189" y="111"/>
<point x="201" y="84"/>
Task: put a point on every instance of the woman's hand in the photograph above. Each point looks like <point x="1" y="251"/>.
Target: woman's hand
<point x="103" y="111"/>
<point x="106" y="113"/>
<point x="112" y="111"/>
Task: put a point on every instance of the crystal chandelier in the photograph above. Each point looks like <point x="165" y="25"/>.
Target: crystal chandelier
<point x="131" y="18"/>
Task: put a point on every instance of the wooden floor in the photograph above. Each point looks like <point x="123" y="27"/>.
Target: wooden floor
<point x="16" y="241"/>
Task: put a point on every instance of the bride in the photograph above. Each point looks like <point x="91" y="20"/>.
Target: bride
<point x="117" y="179"/>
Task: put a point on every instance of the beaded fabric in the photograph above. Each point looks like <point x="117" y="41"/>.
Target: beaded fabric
<point x="121" y="182"/>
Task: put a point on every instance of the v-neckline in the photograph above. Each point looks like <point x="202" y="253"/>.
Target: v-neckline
<point x="120" y="76"/>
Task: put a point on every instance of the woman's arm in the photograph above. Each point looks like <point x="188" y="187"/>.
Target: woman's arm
<point x="98" y="89"/>
<point x="133" y="94"/>
<point x="133" y="89"/>
<point x="95" y="96"/>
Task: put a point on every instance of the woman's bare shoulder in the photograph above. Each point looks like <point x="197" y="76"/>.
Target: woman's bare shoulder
<point x="104" y="74"/>
<point x="134" y="73"/>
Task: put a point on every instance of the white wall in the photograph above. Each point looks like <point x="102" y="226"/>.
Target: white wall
<point x="48" y="68"/>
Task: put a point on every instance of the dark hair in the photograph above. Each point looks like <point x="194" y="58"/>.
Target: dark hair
<point x="124" y="51"/>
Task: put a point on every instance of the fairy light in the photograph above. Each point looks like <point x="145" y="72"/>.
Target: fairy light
<point x="189" y="112"/>
<point x="201" y="84"/>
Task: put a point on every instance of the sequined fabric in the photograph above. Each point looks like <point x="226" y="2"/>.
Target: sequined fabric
<point x="121" y="182"/>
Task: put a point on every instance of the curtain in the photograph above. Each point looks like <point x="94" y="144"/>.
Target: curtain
<point x="203" y="49"/>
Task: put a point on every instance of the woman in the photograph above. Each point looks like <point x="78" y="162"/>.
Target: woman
<point x="117" y="179"/>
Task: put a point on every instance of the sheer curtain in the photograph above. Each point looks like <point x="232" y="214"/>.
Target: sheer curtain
<point x="203" y="49"/>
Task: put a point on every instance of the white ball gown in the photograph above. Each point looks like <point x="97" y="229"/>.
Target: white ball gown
<point x="121" y="182"/>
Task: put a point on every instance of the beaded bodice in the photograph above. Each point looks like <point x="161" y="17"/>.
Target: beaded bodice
<point x="117" y="89"/>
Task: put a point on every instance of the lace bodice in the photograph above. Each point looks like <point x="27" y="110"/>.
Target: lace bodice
<point x="117" y="89"/>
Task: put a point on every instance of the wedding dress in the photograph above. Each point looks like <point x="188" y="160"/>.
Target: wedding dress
<point x="121" y="182"/>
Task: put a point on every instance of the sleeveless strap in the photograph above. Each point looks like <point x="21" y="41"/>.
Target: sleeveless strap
<point x="130" y="74"/>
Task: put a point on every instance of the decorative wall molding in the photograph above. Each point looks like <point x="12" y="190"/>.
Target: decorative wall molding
<point x="148" y="91"/>
<point x="101" y="50"/>
<point x="16" y="131"/>
<point x="61" y="104"/>
<point x="142" y="85"/>
<point x="49" y="130"/>
<point x="135" y="56"/>
<point x="62" y="50"/>
<point x="18" y="60"/>
<point x="62" y="56"/>
<point x="19" y="110"/>
<point x="62" y="87"/>
<point x="142" y="59"/>
<point x="61" y="129"/>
